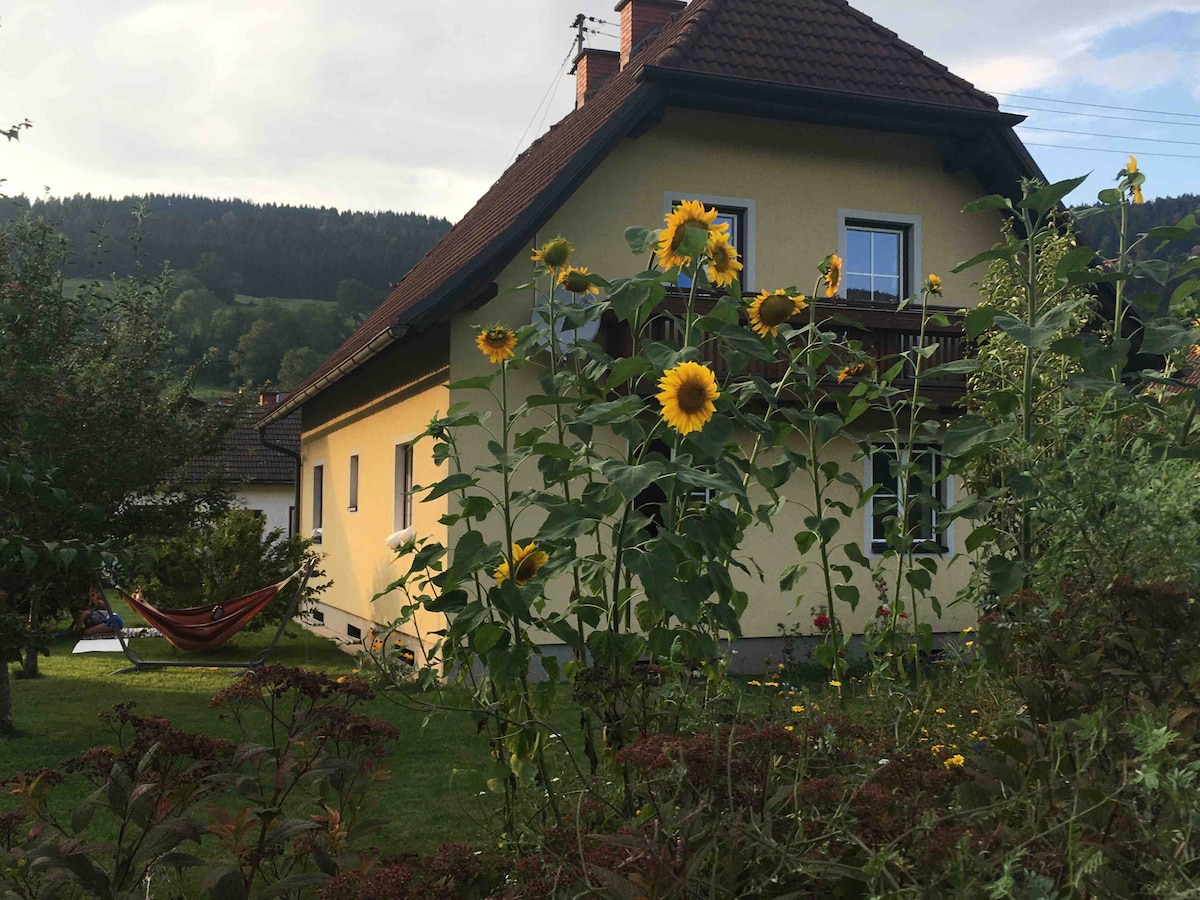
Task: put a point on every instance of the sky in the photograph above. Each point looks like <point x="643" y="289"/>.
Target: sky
<point x="405" y="105"/>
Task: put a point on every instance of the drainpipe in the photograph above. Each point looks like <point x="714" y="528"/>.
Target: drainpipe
<point x="293" y="527"/>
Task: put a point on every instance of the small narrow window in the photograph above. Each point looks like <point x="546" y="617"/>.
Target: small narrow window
<point x="354" y="482"/>
<point x="318" y="616"/>
<point x="402" y="516"/>
<point x="353" y="631"/>
<point x="318" y="502"/>
<point x="292" y="526"/>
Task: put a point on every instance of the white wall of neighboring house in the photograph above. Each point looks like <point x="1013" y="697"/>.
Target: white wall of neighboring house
<point x="274" y="500"/>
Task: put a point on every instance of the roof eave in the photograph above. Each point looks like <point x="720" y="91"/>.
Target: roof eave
<point x="759" y="97"/>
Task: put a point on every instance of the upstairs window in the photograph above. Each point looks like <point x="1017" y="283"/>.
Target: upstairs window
<point x="738" y="214"/>
<point x="880" y="256"/>
<point x="353" y="505"/>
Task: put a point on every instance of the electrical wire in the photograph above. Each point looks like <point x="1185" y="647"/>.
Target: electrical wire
<point x="1103" y="150"/>
<point x="1153" y="112"/>
<point x="547" y="101"/>
<point x="1123" y="137"/>
<point x="1071" y="112"/>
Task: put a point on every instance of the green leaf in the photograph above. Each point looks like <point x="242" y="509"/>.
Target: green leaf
<point x="223" y="882"/>
<point x="1110" y="195"/>
<point x="1157" y="269"/>
<point x="919" y="579"/>
<point x="954" y="367"/>
<point x="477" y="382"/>
<point x="640" y="240"/>
<point x="627" y="370"/>
<point x="1073" y="260"/>
<point x="806" y="540"/>
<point x="1165" y="335"/>
<point x="630" y="480"/>
<point x="847" y="593"/>
<point x="970" y="433"/>
<point x="612" y="411"/>
<point x="1006" y="576"/>
<point x="979" y="320"/>
<point x="629" y="297"/>
<point x="1171" y="233"/>
<point x="991" y="201"/>
<point x="457" y="481"/>
<point x="1045" y="199"/>
<point x="996" y="253"/>
<point x="489" y="635"/>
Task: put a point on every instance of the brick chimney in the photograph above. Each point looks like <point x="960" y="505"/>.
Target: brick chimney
<point x="640" y="18"/>
<point x="593" y="68"/>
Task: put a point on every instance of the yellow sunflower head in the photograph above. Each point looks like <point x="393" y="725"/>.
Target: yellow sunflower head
<point x="553" y="254"/>
<point x="524" y="564"/>
<point x="846" y="372"/>
<point x="833" y="275"/>
<point x="933" y="284"/>
<point x="770" y="309"/>
<point x="1135" y="194"/>
<point x="688" y="214"/>
<point x="686" y="393"/>
<point x="574" y="279"/>
<point x="723" y="264"/>
<point x="1131" y="167"/>
<point x="497" y="344"/>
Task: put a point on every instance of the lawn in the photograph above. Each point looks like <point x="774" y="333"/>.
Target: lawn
<point x="57" y="718"/>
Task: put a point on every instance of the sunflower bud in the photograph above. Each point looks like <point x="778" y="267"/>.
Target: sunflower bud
<point x="553" y="254"/>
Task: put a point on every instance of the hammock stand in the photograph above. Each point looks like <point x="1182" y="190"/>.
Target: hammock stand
<point x="195" y="628"/>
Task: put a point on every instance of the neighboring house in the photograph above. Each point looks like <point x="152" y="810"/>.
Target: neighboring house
<point x="812" y="128"/>
<point x="264" y="478"/>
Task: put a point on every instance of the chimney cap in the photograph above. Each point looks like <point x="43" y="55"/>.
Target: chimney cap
<point x="673" y="4"/>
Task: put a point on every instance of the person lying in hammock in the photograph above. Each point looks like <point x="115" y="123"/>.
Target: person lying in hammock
<point x="94" y="619"/>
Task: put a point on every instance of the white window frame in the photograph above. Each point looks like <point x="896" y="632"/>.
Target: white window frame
<point x="908" y="225"/>
<point x="352" y="487"/>
<point x="403" y="513"/>
<point x="671" y="199"/>
<point x="947" y="487"/>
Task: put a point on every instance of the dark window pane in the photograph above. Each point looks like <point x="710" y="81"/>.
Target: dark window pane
<point x="887" y="290"/>
<point x="858" y="287"/>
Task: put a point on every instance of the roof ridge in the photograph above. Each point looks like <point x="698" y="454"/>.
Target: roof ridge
<point x="689" y="26"/>
<point x="914" y="51"/>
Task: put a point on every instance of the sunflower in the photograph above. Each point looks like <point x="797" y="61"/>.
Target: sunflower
<point x="1135" y="194"/>
<point x="553" y="254"/>
<point x="688" y="214"/>
<point x="497" y="344"/>
<point x="525" y="563"/>
<point x="770" y="310"/>
<point x="1131" y="167"/>
<point x="574" y="279"/>
<point x="845" y="373"/>
<point x="723" y="265"/>
<point x="833" y="275"/>
<point x="933" y="284"/>
<point x="687" y="395"/>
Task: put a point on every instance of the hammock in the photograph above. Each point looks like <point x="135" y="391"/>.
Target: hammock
<point x="203" y="628"/>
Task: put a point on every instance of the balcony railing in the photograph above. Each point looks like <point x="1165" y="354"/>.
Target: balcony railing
<point x="883" y="333"/>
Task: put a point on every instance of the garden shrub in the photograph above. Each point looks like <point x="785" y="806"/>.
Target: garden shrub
<point x="224" y="559"/>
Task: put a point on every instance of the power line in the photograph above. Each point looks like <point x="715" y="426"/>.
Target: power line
<point x="1123" y="137"/>
<point x="1071" y="112"/>
<point x="1154" y="112"/>
<point x="545" y="99"/>
<point x="1102" y="150"/>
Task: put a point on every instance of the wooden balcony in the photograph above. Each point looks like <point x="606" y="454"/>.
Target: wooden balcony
<point x="883" y="333"/>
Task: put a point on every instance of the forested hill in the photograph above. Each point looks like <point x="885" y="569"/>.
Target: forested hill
<point x="1101" y="232"/>
<point x="264" y="250"/>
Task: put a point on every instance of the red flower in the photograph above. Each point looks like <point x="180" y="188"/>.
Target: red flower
<point x="821" y="621"/>
<point x="904" y="615"/>
<point x="883" y="612"/>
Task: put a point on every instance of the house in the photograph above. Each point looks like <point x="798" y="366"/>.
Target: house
<point x="809" y="126"/>
<point x="263" y="476"/>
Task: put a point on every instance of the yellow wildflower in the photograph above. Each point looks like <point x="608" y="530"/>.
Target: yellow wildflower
<point x="954" y="761"/>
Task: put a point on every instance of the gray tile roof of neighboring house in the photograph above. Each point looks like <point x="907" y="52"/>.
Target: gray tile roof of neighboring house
<point x="242" y="458"/>
<point x="823" y="47"/>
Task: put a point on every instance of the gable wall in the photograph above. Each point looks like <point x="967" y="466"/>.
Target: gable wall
<point x="798" y="176"/>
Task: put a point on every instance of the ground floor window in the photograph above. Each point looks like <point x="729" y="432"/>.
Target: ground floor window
<point x="924" y="498"/>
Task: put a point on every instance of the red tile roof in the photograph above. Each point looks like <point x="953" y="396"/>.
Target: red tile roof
<point x="817" y="45"/>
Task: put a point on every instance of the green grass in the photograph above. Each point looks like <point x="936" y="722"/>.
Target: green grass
<point x="57" y="718"/>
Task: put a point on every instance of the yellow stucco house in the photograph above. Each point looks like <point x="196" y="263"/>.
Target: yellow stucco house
<point x="811" y="128"/>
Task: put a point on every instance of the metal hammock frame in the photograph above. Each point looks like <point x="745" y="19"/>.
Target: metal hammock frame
<point x="140" y="664"/>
